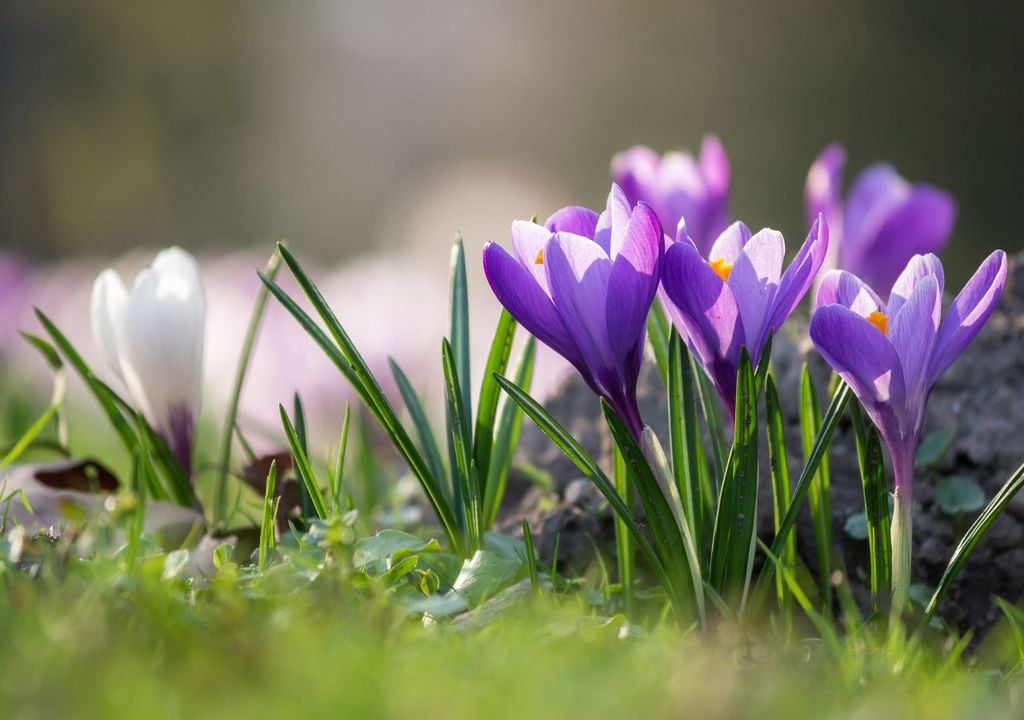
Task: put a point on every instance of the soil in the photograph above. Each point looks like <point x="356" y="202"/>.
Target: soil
<point x="978" y="398"/>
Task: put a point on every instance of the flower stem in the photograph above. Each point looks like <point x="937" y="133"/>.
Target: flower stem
<point x="902" y="530"/>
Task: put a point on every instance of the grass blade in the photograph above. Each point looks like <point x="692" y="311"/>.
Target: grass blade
<point x="490" y="392"/>
<point x="467" y="490"/>
<point x="269" y="514"/>
<point x="818" y="497"/>
<point x="781" y="491"/>
<point x="590" y="469"/>
<point x="421" y="423"/>
<point x="736" y="517"/>
<point x="231" y="415"/>
<point x="339" y="464"/>
<point x="302" y="465"/>
<point x="685" y="441"/>
<point x="531" y="558"/>
<point x="459" y="334"/>
<point x="623" y="541"/>
<point x="876" y="505"/>
<point x="973" y="536"/>
<point x="507" y="436"/>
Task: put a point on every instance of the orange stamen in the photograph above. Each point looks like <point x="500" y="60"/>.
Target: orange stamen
<point x="880" y="320"/>
<point x="721" y="268"/>
<point x="540" y="257"/>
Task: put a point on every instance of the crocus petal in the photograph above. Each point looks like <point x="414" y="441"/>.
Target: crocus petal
<point x="714" y="166"/>
<point x="839" y="287"/>
<point x="636" y="172"/>
<point x="528" y="241"/>
<point x="799" y="276"/>
<point x="611" y="225"/>
<point x="109" y="298"/>
<point x="578" y="272"/>
<point x="919" y="267"/>
<point x="754" y="279"/>
<point x="875" y="194"/>
<point x="920" y="223"/>
<point x="912" y="331"/>
<point x="968" y="313"/>
<point x="729" y="245"/>
<point x="573" y="219"/>
<point x="634" y="280"/>
<point x="865" y="359"/>
<point x="160" y="344"/>
<point x="705" y="308"/>
<point x="528" y="302"/>
<point x="824" y="185"/>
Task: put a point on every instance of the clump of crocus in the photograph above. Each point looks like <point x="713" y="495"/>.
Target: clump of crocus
<point x="892" y="354"/>
<point x="737" y="296"/>
<point x="152" y="338"/>
<point x="583" y="284"/>
<point x="884" y="221"/>
<point x="677" y="185"/>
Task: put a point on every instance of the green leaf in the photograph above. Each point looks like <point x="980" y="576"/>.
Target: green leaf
<point x="875" y="489"/>
<point x="459" y="334"/>
<point x="974" y="535"/>
<point x="819" y="495"/>
<point x="685" y="440"/>
<point x="829" y="422"/>
<point x="421" y="423"/>
<point x="467" y="486"/>
<point x="507" y="437"/>
<point x="781" y="491"/>
<point x="590" y="469"/>
<point x="736" y="518"/>
<point x="658" y="331"/>
<point x="934" y="447"/>
<point x="48" y="351"/>
<point x="302" y="466"/>
<point x="531" y="558"/>
<point x="485" y="575"/>
<point x="490" y="392"/>
<point x="380" y="547"/>
<point x="959" y="494"/>
<point x="270" y="504"/>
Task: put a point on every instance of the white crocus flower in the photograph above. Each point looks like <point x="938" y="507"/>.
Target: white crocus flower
<point x="152" y="337"/>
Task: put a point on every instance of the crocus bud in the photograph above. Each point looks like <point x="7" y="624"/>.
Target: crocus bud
<point x="152" y="338"/>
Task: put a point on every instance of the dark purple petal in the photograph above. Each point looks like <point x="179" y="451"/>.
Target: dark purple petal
<point x="517" y="289"/>
<point x="968" y="313"/>
<point x="634" y="280"/>
<point x="578" y="274"/>
<point x="876" y="193"/>
<point x="839" y="287"/>
<point x="707" y="310"/>
<point x="573" y="219"/>
<point x="754" y="280"/>
<point x="865" y="359"/>
<point x="917" y="269"/>
<point x="800" y="275"/>
<point x="921" y="223"/>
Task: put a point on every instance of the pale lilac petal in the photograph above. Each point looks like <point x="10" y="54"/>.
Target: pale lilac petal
<point x="710" y="319"/>
<point x="865" y="359"/>
<point x="578" y="273"/>
<point x="573" y="219"/>
<point x="714" y="166"/>
<point x="839" y="287"/>
<point x="618" y="212"/>
<point x="729" y="245"/>
<point x="799" y="276"/>
<point x="917" y="269"/>
<point x="823" y="187"/>
<point x="518" y="291"/>
<point x="921" y="223"/>
<point x="877" y="192"/>
<point x="968" y="313"/>
<point x="754" y="280"/>
<point x="912" y="331"/>
<point x="634" y="280"/>
<point x="528" y="241"/>
<point x="636" y="172"/>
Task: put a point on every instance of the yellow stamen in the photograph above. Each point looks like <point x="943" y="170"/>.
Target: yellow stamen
<point x="540" y="257"/>
<point x="880" y="320"/>
<point x="721" y="268"/>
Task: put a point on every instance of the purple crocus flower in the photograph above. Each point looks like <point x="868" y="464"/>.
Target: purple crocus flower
<point x="738" y="296"/>
<point x="892" y="354"/>
<point x="884" y="222"/>
<point x="678" y="186"/>
<point x="583" y="284"/>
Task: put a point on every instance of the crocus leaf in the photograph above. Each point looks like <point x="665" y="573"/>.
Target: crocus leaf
<point x="974" y="535"/>
<point x="685" y="438"/>
<point x="818" y="497"/>
<point x="781" y="492"/>
<point x="302" y="465"/>
<point x="959" y="494"/>
<point x="466" y="487"/>
<point x="420" y="422"/>
<point x="490" y="392"/>
<point x="876" y="505"/>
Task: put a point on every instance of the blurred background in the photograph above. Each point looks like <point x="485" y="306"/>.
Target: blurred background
<point x="369" y="133"/>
